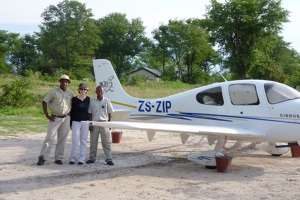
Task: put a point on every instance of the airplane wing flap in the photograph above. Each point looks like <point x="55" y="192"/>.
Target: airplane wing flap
<point x="120" y="114"/>
<point x="231" y="133"/>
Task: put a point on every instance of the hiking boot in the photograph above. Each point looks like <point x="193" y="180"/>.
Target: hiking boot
<point x="59" y="162"/>
<point x="90" y="161"/>
<point x="41" y="160"/>
<point x="110" y="162"/>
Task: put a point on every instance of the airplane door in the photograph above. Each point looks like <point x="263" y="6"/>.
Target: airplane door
<point x="246" y="100"/>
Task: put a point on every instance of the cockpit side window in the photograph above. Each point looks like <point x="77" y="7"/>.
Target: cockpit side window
<point x="243" y="94"/>
<point x="212" y="96"/>
<point x="277" y="93"/>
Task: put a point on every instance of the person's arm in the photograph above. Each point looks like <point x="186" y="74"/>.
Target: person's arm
<point x="109" y="117"/>
<point x="50" y="118"/>
<point x="72" y="107"/>
<point x="91" y="128"/>
<point x="71" y="113"/>
<point x="109" y="110"/>
<point x="90" y="116"/>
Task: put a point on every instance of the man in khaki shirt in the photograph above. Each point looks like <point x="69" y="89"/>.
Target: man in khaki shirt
<point x="59" y="102"/>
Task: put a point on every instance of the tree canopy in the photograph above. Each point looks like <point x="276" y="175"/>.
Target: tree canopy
<point x="123" y="40"/>
<point x="239" y="27"/>
<point x="186" y="45"/>
<point x="9" y="43"/>
<point x="68" y="37"/>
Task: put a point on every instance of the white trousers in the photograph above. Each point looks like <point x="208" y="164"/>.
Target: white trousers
<point x="79" y="136"/>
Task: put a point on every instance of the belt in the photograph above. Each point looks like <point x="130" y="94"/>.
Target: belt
<point x="59" y="116"/>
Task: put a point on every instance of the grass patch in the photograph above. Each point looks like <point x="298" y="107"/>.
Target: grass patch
<point x="11" y="125"/>
<point x="32" y="111"/>
<point x="159" y="89"/>
<point x="16" y="121"/>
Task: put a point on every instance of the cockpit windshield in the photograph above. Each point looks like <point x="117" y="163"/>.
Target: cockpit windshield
<point x="277" y="93"/>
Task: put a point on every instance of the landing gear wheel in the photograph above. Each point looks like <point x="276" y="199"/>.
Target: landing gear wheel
<point x="210" y="167"/>
<point x="276" y="155"/>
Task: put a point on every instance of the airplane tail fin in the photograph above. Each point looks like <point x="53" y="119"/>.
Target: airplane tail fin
<point x="105" y="75"/>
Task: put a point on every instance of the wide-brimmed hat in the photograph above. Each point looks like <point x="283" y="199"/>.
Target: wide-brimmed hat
<point x="66" y="77"/>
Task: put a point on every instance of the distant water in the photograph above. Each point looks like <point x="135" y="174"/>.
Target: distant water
<point x="22" y="29"/>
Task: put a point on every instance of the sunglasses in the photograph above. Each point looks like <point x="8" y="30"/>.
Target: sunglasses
<point x="83" y="89"/>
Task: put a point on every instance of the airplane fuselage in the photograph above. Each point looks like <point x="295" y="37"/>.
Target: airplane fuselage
<point x="263" y="110"/>
<point x="236" y="104"/>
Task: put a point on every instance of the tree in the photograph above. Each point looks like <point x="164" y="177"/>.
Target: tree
<point x="68" y="37"/>
<point x="123" y="40"/>
<point x="160" y="52"/>
<point x="27" y="56"/>
<point x="186" y="45"/>
<point x="9" y="43"/>
<point x="238" y="27"/>
<point x="15" y="94"/>
<point x="277" y="61"/>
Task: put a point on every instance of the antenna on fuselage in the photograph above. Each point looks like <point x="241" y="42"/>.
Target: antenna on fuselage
<point x="222" y="76"/>
<point x="218" y="70"/>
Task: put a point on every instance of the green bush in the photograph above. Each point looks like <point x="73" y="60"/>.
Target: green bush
<point x="15" y="95"/>
<point x="137" y="80"/>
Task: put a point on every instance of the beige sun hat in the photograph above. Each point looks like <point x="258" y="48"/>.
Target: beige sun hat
<point x="66" y="77"/>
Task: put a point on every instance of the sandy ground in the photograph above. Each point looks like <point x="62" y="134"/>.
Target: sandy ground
<point x="143" y="170"/>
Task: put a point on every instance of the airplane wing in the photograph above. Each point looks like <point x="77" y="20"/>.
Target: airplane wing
<point x="120" y="114"/>
<point x="230" y="132"/>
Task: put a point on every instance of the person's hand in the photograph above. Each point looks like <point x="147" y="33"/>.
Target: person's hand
<point x="91" y="128"/>
<point x="51" y="118"/>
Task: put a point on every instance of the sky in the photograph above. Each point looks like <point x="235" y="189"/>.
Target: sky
<point x="24" y="16"/>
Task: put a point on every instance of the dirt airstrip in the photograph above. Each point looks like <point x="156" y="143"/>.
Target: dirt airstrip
<point x="143" y="170"/>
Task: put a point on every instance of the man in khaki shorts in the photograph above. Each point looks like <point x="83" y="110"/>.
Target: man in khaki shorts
<point x="58" y="100"/>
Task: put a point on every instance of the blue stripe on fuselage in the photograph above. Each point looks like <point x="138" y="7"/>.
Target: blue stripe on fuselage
<point x="215" y="117"/>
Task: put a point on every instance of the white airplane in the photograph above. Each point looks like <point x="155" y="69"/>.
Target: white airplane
<point x="266" y="113"/>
